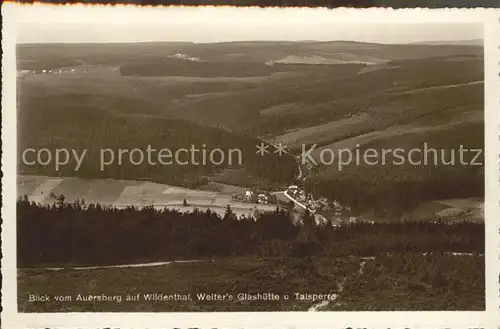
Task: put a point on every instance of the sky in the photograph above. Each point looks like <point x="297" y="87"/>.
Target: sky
<point x="87" y="25"/>
<point x="380" y="33"/>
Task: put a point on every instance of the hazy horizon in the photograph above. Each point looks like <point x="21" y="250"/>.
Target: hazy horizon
<point x="432" y="42"/>
<point x="382" y="33"/>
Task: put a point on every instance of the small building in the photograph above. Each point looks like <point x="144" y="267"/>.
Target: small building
<point x="248" y="196"/>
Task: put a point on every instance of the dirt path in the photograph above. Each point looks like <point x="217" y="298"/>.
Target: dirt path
<point x="321" y="305"/>
<point x="294" y="201"/>
<point x="83" y="268"/>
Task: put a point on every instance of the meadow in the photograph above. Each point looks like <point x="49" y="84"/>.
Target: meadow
<point x="396" y="283"/>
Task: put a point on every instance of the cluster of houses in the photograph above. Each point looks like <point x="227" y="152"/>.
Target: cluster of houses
<point x="328" y="209"/>
<point x="255" y="197"/>
<point x="55" y="71"/>
<point x="313" y="204"/>
<point x="184" y="57"/>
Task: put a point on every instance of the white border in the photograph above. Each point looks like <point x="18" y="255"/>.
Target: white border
<point x="13" y="13"/>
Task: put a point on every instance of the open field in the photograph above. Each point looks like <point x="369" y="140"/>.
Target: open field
<point x="471" y="209"/>
<point x="123" y="193"/>
<point x="413" y="282"/>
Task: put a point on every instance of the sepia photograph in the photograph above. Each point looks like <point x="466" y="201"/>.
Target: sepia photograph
<point x="201" y="168"/>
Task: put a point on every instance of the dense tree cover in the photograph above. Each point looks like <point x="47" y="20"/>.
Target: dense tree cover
<point x="72" y="122"/>
<point x="339" y="92"/>
<point x="390" y="187"/>
<point x="184" y="68"/>
<point x="196" y="69"/>
<point x="92" y="234"/>
<point x="391" y="193"/>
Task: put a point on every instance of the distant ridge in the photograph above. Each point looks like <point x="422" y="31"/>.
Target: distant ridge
<point x="474" y="42"/>
<point x="319" y="60"/>
<point x="297" y="59"/>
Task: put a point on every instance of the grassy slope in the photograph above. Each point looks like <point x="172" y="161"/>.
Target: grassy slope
<point x="419" y="283"/>
<point x="120" y="193"/>
<point x="386" y="283"/>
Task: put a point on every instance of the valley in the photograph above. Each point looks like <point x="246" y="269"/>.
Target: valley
<point x="370" y="95"/>
<point x="372" y="236"/>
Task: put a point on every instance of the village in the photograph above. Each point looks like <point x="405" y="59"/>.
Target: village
<point x="56" y="71"/>
<point x="79" y="68"/>
<point x="322" y="209"/>
<point x="258" y="197"/>
<point x="295" y="197"/>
